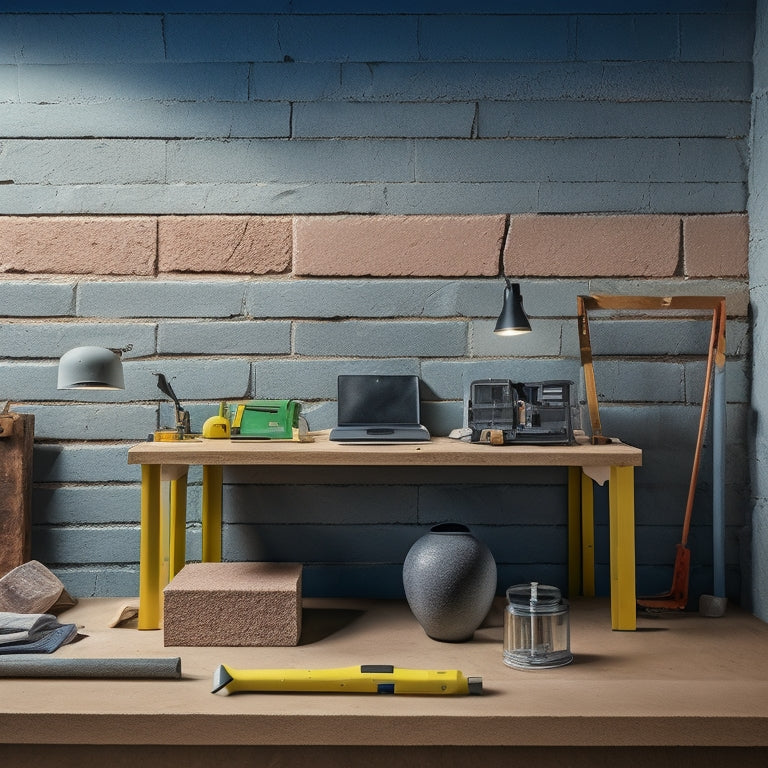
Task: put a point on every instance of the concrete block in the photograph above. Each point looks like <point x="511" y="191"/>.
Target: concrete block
<point x="9" y="90"/>
<point x="328" y="119"/>
<point x="591" y="197"/>
<point x="352" y="298"/>
<point x="87" y="545"/>
<point x="504" y="119"/>
<point x="147" y="119"/>
<point x="492" y="37"/>
<point x="27" y="382"/>
<point x="239" y="244"/>
<point x="374" y="339"/>
<point x="83" y="463"/>
<point x="223" y="337"/>
<point x="160" y="82"/>
<point x="107" y="421"/>
<point x="593" y="245"/>
<point x="349" y="37"/>
<point x="582" y="160"/>
<point x="723" y="37"/>
<point x="626" y="37"/>
<point x="233" y="604"/>
<point x="542" y="298"/>
<point x="160" y="299"/>
<point x="276" y="160"/>
<point x="700" y="197"/>
<point x="324" y="504"/>
<point x="337" y="543"/>
<point x="87" y="581"/>
<point x="52" y="339"/>
<point x="544" y="340"/>
<point x="113" y="245"/>
<point x="222" y="37"/>
<point x="192" y="378"/>
<point x="716" y="246"/>
<point x="639" y="381"/>
<point x="313" y="379"/>
<point x="460" y="197"/>
<point x="450" y="380"/>
<point x="665" y="335"/>
<point x="86" y="38"/>
<point x="736" y="292"/>
<point x="397" y="245"/>
<point x="296" y="81"/>
<point x="83" y="161"/>
<point x="92" y="504"/>
<point x="36" y="299"/>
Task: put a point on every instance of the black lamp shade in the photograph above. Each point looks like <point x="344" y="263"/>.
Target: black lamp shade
<point x="512" y="319"/>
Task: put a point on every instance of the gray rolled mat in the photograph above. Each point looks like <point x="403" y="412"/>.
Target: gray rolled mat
<point x="35" y="666"/>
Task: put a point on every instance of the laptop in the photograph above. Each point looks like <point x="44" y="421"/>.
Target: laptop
<point x="378" y="409"/>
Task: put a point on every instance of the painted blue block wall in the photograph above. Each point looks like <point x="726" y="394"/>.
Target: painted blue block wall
<point x="275" y="108"/>
<point x="364" y="107"/>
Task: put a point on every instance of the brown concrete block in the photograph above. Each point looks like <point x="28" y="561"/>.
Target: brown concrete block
<point x="236" y="244"/>
<point x="592" y="246"/>
<point x="716" y="246"/>
<point x="234" y="604"/>
<point x="397" y="246"/>
<point x="82" y="245"/>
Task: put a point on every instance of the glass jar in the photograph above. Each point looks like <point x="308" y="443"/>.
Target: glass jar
<point x="537" y="631"/>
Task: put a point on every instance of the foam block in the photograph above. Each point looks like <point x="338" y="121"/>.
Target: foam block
<point x="234" y="604"/>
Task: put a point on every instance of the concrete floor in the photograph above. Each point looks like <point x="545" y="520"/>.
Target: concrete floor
<point x="680" y="687"/>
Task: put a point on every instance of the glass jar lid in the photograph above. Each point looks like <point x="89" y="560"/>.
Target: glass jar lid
<point x="534" y="596"/>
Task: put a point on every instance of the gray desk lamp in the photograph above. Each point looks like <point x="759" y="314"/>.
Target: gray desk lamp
<point x="512" y="319"/>
<point x="91" y="368"/>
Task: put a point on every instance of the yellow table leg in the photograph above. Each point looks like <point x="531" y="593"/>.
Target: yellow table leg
<point x="149" y="553"/>
<point x="213" y="482"/>
<point x="587" y="536"/>
<point x="622" y="547"/>
<point x="574" y="531"/>
<point x="178" y="525"/>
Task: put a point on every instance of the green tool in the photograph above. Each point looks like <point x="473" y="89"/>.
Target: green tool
<point x="265" y="419"/>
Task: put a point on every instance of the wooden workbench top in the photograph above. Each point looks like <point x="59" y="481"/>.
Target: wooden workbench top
<point x="439" y="451"/>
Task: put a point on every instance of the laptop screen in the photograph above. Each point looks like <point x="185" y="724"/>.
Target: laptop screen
<point x="371" y="399"/>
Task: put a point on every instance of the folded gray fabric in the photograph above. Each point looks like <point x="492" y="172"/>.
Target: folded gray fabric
<point x="33" y="633"/>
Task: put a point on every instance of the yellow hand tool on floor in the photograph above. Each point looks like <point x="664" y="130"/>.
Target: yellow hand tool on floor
<point x="368" y="678"/>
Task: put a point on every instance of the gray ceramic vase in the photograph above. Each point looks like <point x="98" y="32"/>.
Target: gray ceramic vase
<point x="450" y="581"/>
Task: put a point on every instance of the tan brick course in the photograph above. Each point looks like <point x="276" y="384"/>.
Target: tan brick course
<point x="716" y="246"/>
<point x="590" y="246"/>
<point x="398" y="246"/>
<point x="78" y="245"/>
<point x="235" y="244"/>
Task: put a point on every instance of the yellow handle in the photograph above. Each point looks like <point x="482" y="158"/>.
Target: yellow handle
<point x="359" y="679"/>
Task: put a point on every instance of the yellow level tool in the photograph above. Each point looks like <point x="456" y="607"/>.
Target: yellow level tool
<point x="368" y="678"/>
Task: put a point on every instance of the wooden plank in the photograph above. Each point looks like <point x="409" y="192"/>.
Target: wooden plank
<point x="439" y="451"/>
<point x="16" y="442"/>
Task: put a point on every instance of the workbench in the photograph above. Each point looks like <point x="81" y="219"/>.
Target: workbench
<point x="163" y="514"/>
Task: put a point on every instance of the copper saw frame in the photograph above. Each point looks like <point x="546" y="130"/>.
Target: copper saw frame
<point x="677" y="596"/>
<point x="715" y="354"/>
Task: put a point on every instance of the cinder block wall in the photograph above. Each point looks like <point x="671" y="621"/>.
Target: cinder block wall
<point x="258" y="202"/>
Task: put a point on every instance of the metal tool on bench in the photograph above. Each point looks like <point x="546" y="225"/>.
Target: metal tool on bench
<point x="182" y="415"/>
<point x="267" y="420"/>
<point x="368" y="678"/>
<point x="25" y="665"/>
<point x="502" y="412"/>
